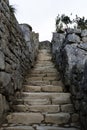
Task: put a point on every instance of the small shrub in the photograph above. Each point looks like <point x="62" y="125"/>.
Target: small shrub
<point x="81" y="22"/>
<point x="62" y="21"/>
<point x="12" y="9"/>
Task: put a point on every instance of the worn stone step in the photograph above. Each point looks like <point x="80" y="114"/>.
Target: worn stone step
<point x="54" y="128"/>
<point x="44" y="74"/>
<point x="44" y="62"/>
<point x="44" y="70"/>
<point x="58" y="118"/>
<point x="67" y="108"/>
<point x="40" y="82"/>
<point x="40" y="53"/>
<point x="34" y="79"/>
<point x="37" y="83"/>
<point x="34" y="101"/>
<point x="30" y="88"/>
<point x="44" y="67"/>
<point x="46" y="88"/>
<point x="61" y="100"/>
<point x="55" y="98"/>
<point x="24" y="118"/>
<point x="42" y="79"/>
<point x="50" y="78"/>
<point x="44" y="58"/>
<point x="19" y="128"/>
<point x="44" y="51"/>
<point x="37" y="108"/>
<point x="47" y="65"/>
<point x="51" y="88"/>
<point x="51" y="69"/>
<point x="45" y="94"/>
<point x="46" y="54"/>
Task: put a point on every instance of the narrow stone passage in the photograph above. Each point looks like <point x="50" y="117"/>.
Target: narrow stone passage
<point x="43" y="105"/>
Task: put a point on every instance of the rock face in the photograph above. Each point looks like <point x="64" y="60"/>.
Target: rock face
<point x="18" y="50"/>
<point x="3" y="105"/>
<point x="71" y="60"/>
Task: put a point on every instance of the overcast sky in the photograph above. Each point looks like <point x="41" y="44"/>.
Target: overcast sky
<point x="41" y="14"/>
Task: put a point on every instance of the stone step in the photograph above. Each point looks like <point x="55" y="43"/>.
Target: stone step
<point x="44" y="62"/>
<point x="54" y="98"/>
<point x="50" y="78"/>
<point x="54" y="128"/>
<point x="58" y="118"/>
<point x="30" y="88"/>
<point x="44" y="57"/>
<point x="45" y="94"/>
<point x="44" y="70"/>
<point x="39" y="83"/>
<point x="36" y="118"/>
<point x="42" y="78"/>
<point x="44" y="108"/>
<point x="37" y="108"/>
<point x="44" y="51"/>
<point x="33" y="101"/>
<point x="67" y="108"/>
<point x="44" y="75"/>
<point x="38" y="128"/>
<point x="43" y="67"/>
<point x="51" y="88"/>
<point x="46" y="88"/>
<point x="34" y="78"/>
<point x="24" y="118"/>
<point x="19" y="128"/>
<point x="47" y="54"/>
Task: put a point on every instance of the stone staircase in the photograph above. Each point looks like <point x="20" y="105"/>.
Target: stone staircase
<point x="42" y="104"/>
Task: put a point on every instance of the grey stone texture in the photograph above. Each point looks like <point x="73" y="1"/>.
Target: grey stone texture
<point x="73" y="38"/>
<point x="45" y="107"/>
<point x="3" y="105"/>
<point x="45" y="45"/>
<point x="70" y="57"/>
<point x="18" y="51"/>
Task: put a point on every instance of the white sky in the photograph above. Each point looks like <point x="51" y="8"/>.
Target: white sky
<point x="41" y="14"/>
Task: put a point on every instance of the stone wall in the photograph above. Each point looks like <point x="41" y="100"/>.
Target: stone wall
<point x="45" y="45"/>
<point x="18" y="51"/>
<point x="70" y="54"/>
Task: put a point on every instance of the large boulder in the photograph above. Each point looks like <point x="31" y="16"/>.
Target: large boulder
<point x="73" y="60"/>
<point x="57" y="41"/>
<point x="73" y="38"/>
<point x="31" y="39"/>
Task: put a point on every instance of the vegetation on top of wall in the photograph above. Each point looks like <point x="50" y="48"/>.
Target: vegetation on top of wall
<point x="12" y="9"/>
<point x="81" y="22"/>
<point x="63" y="22"/>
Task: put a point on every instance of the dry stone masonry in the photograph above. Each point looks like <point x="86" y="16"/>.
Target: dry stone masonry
<point x="48" y="98"/>
<point x="42" y="103"/>
<point x="18" y="51"/>
<point x="70" y="54"/>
